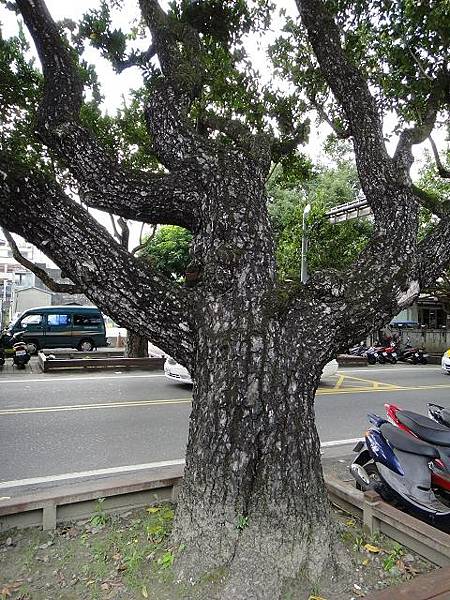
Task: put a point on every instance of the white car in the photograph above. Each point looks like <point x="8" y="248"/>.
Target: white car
<point x="445" y="363"/>
<point x="176" y="372"/>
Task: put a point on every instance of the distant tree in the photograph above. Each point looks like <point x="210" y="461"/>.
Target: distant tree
<point x="331" y="246"/>
<point x="168" y="250"/>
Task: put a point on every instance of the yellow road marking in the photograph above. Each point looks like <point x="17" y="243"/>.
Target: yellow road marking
<point x="354" y="390"/>
<point x="339" y="382"/>
<point x="375" y="384"/>
<point x="45" y="409"/>
<point x="106" y="405"/>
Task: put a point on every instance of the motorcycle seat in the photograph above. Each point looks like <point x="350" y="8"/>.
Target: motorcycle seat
<point x="425" y="428"/>
<point x="445" y="415"/>
<point x="407" y="443"/>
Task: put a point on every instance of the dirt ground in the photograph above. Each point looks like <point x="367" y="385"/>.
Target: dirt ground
<point x="130" y="557"/>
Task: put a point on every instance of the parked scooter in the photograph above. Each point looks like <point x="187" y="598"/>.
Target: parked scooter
<point x="397" y="466"/>
<point x="15" y="347"/>
<point x="440" y="414"/>
<point x="359" y="350"/>
<point x="382" y="354"/>
<point x="429" y="431"/>
<point x="412" y="355"/>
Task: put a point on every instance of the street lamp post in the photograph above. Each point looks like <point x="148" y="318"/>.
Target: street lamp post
<point x="304" y="265"/>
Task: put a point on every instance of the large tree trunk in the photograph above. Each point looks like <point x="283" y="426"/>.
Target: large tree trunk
<point x="254" y="497"/>
<point x="136" y="345"/>
<point x="253" y="490"/>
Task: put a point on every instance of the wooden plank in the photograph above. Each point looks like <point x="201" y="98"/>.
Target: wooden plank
<point x="433" y="586"/>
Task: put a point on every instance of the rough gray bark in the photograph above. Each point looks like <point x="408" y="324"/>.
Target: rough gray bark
<point x="253" y="489"/>
<point x="136" y="345"/>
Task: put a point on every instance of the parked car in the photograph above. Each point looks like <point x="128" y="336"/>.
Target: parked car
<point x="80" y="327"/>
<point x="445" y="363"/>
<point x="177" y="372"/>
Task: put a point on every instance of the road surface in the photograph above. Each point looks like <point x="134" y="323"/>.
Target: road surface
<point x="59" y="427"/>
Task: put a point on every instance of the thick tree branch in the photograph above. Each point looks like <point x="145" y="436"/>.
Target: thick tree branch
<point x="52" y="285"/>
<point x="123" y="286"/>
<point x="403" y="156"/>
<point x="352" y="93"/>
<point x="254" y="144"/>
<point x="434" y="253"/>
<point x="178" y="47"/>
<point x="443" y="172"/>
<point x="384" y="274"/>
<point x="432" y="202"/>
<point x="103" y="182"/>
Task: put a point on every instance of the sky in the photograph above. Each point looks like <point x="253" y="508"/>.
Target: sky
<point x="116" y="87"/>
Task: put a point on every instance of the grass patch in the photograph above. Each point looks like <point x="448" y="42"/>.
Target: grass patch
<point x="131" y="557"/>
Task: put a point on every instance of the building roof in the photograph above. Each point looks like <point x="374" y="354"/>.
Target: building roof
<point x="32" y="287"/>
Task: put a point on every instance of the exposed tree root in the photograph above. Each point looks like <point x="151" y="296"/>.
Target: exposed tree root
<point x="264" y="563"/>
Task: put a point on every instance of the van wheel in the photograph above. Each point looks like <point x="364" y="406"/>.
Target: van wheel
<point x="85" y="346"/>
<point x="32" y="347"/>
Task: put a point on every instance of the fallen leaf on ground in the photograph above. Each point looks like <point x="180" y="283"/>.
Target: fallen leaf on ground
<point x="371" y="548"/>
<point x="144" y="592"/>
<point x="350" y="523"/>
<point x="8" y="589"/>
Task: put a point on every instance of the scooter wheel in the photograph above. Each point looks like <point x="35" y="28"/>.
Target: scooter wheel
<point x="424" y="361"/>
<point x="372" y="471"/>
<point x="371" y="360"/>
<point x="381" y="360"/>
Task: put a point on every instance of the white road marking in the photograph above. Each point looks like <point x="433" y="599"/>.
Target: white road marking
<point x="128" y="469"/>
<point x="335" y="443"/>
<point x="25" y="380"/>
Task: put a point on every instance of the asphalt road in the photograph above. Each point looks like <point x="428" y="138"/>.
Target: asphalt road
<point x="62" y="428"/>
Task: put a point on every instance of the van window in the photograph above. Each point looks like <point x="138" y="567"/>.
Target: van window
<point x="87" y="320"/>
<point x="61" y="320"/>
<point x="31" y="320"/>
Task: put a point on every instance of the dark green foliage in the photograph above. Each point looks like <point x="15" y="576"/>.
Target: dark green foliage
<point x="168" y="251"/>
<point x="330" y="246"/>
<point x="20" y="89"/>
<point x="400" y="45"/>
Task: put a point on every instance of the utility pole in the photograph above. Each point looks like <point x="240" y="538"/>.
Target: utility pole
<point x="304" y="264"/>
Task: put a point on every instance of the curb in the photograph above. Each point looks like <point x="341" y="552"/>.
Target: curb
<point x="48" y="507"/>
